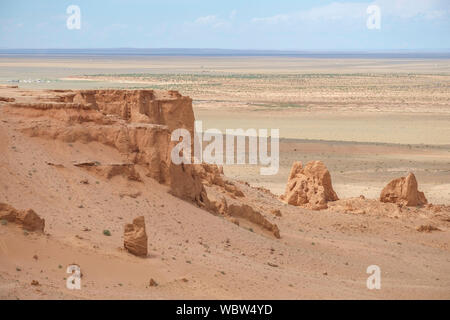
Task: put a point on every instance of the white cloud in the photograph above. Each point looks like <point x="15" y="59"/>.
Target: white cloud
<point x="274" y="19"/>
<point x="214" y="21"/>
<point x="408" y="9"/>
<point x="206" y="20"/>
<point x="332" y="11"/>
<point x="347" y="11"/>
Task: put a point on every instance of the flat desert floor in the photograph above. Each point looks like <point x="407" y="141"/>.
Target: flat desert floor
<point x="368" y="120"/>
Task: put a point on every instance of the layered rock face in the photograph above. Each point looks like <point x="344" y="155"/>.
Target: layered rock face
<point x="135" y="237"/>
<point x="28" y="219"/>
<point x="138" y="106"/>
<point x="403" y="191"/>
<point x="138" y="123"/>
<point x="309" y="186"/>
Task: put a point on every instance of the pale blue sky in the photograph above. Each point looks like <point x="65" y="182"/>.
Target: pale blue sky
<point x="231" y="24"/>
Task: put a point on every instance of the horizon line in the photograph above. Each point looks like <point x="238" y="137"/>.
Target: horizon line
<point x="431" y="50"/>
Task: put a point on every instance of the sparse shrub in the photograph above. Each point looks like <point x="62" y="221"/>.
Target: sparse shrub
<point x="107" y="233"/>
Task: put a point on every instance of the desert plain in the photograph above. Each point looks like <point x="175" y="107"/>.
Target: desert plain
<point x="368" y="120"/>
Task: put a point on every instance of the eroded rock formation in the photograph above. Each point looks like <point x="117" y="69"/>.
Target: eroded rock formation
<point x="403" y="191"/>
<point x="135" y="237"/>
<point x="309" y="186"/>
<point x="28" y="219"/>
<point x="138" y="123"/>
<point x="218" y="204"/>
<point x="248" y="213"/>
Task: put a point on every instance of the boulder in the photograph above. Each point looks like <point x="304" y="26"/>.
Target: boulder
<point x="403" y="191"/>
<point x="135" y="237"/>
<point x="309" y="186"/>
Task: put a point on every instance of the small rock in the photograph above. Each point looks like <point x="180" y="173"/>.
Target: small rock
<point x="153" y="283"/>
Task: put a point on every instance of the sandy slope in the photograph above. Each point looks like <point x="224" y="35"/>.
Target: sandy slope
<point x="194" y="254"/>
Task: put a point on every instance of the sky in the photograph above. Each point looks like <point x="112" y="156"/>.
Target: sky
<point x="231" y="24"/>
